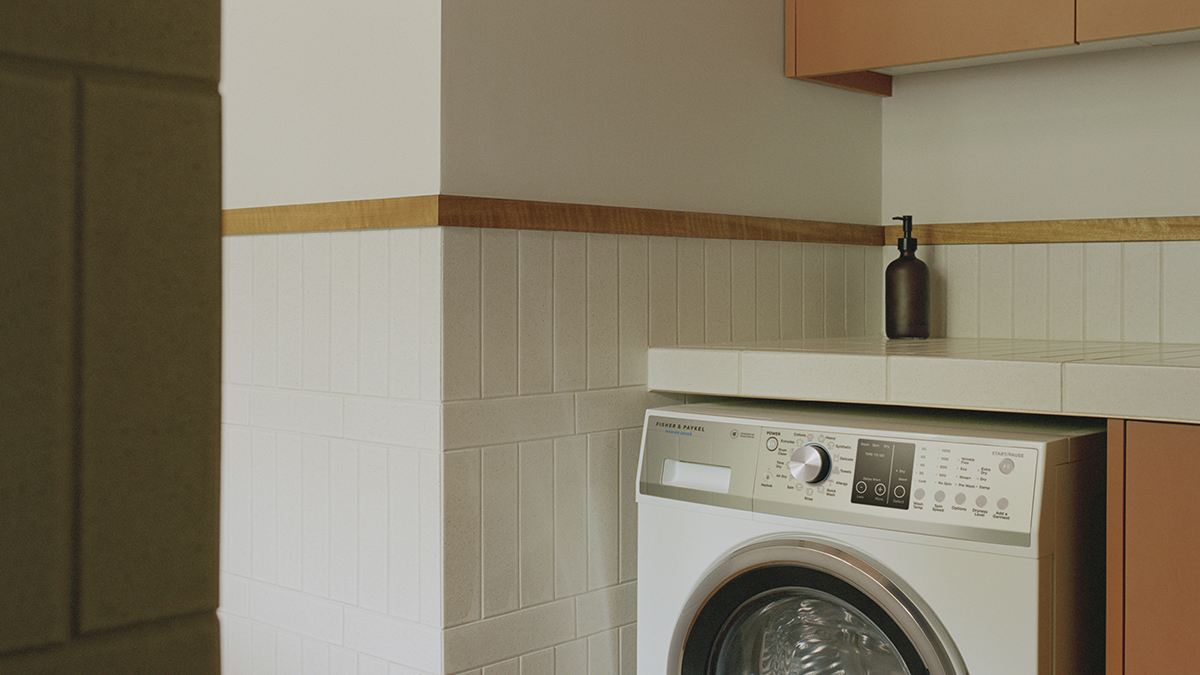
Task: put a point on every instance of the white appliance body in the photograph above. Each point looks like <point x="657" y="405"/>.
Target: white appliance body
<point x="980" y="535"/>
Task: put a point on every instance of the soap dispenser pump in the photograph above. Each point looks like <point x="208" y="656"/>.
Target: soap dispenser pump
<point x="906" y="290"/>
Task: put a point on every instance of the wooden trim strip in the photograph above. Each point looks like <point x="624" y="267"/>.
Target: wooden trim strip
<point x="1184" y="228"/>
<point x="458" y="211"/>
<point x="367" y="214"/>
<point x="517" y="214"/>
<point x="461" y="211"/>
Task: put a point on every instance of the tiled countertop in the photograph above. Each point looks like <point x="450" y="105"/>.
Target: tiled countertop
<point x="1104" y="379"/>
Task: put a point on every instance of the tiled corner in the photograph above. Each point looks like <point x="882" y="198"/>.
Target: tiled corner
<point x="36" y="404"/>
<point x="468" y="424"/>
<point x="498" y="639"/>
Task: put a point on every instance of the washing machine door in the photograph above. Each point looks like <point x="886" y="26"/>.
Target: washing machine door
<point x="803" y="607"/>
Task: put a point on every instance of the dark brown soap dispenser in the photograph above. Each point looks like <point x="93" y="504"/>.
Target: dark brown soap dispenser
<point x="906" y="290"/>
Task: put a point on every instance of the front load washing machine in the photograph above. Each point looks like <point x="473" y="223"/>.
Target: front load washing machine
<point x="813" y="539"/>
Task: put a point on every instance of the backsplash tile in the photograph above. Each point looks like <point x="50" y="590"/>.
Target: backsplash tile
<point x="387" y="531"/>
<point x="602" y="315"/>
<point x="535" y="312"/>
<point x="538" y="342"/>
<point x="498" y="321"/>
<point x="718" y="292"/>
<point x="1141" y="291"/>
<point x="633" y="288"/>
<point x="570" y="311"/>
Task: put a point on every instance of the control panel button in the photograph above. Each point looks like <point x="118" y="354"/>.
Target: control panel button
<point x="899" y="492"/>
<point x="960" y="498"/>
<point x="919" y="494"/>
<point x="981" y="501"/>
<point x="772" y="443"/>
<point x="1002" y="504"/>
<point x="939" y="496"/>
<point x="810" y="464"/>
<point x="1007" y="466"/>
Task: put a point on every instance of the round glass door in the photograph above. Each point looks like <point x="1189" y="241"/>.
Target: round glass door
<point x="802" y="631"/>
<point x="804" y="607"/>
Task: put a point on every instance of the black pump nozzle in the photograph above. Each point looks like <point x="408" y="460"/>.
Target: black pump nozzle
<point x="907" y="242"/>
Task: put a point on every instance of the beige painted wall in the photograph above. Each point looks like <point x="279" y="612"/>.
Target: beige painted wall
<point x="110" y="176"/>
<point x="662" y="104"/>
<point x="667" y="104"/>
<point x="1105" y="135"/>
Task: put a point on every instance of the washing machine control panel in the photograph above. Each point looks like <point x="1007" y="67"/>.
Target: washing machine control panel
<point x="951" y="488"/>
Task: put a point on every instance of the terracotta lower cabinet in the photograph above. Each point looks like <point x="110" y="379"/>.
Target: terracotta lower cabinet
<point x="1105" y="19"/>
<point x="1153" y="542"/>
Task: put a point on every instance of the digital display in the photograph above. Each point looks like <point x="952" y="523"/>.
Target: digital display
<point x="883" y="473"/>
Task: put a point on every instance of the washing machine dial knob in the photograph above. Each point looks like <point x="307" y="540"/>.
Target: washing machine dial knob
<point x="810" y="463"/>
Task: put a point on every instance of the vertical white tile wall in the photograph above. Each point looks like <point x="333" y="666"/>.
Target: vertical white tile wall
<point x="323" y="528"/>
<point x="345" y="519"/>
<point x="1132" y="291"/>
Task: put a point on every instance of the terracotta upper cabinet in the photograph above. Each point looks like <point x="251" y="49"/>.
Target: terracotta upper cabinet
<point x="1105" y="19"/>
<point x="839" y="36"/>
